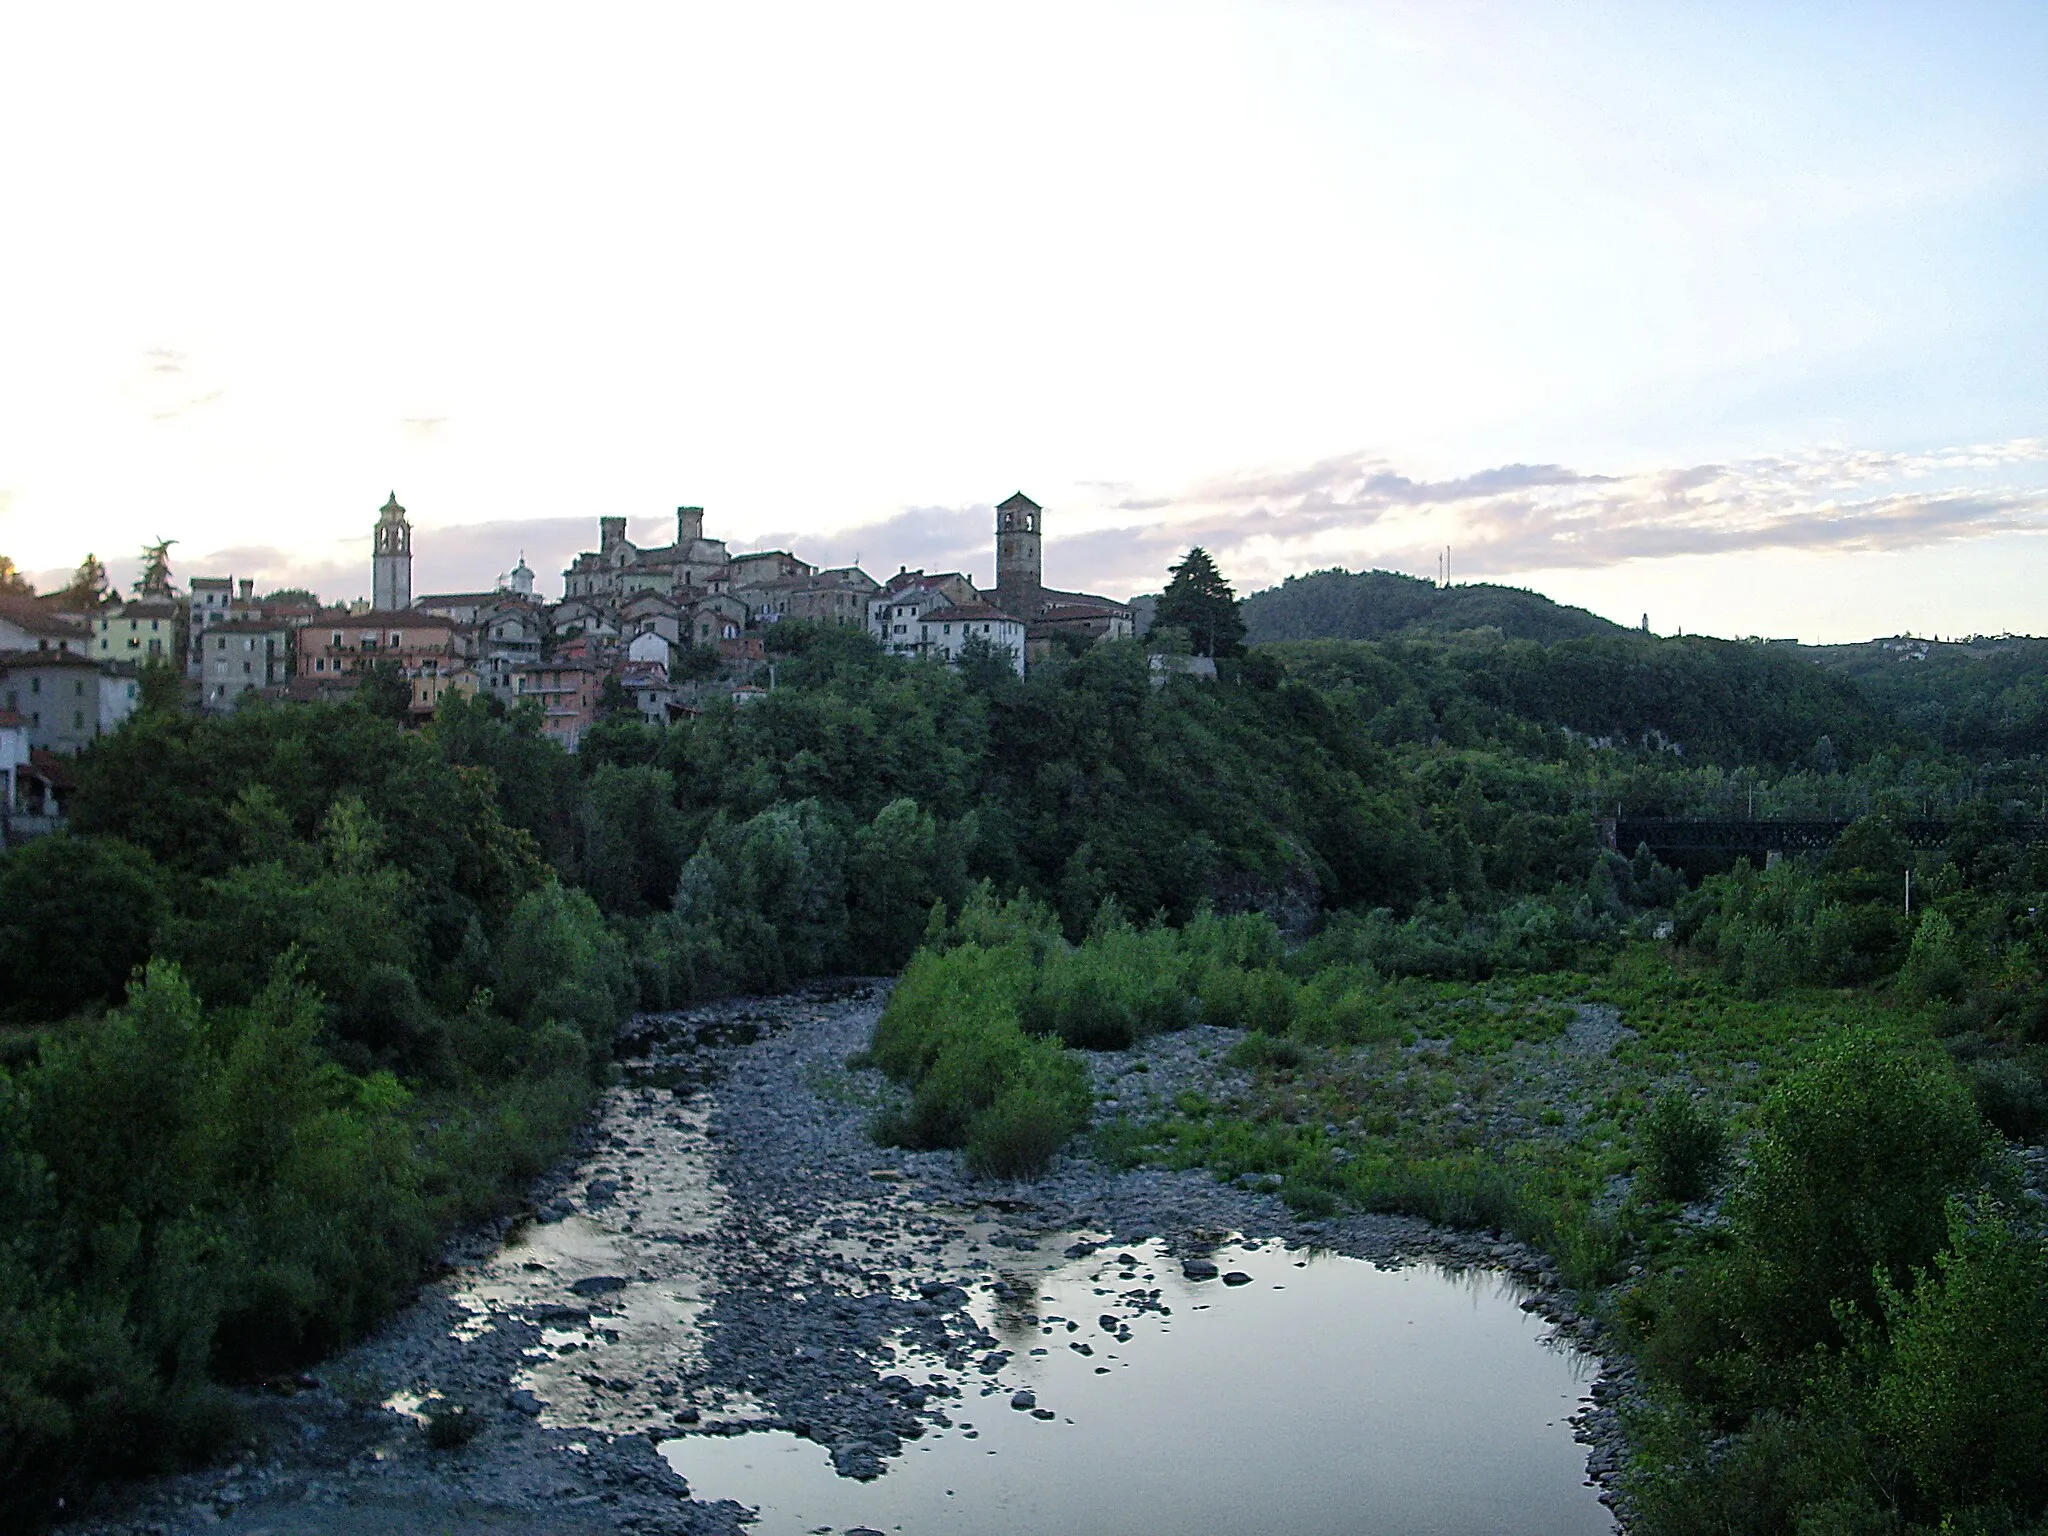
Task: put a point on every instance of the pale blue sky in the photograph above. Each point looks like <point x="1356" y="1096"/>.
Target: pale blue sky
<point x="1762" y="286"/>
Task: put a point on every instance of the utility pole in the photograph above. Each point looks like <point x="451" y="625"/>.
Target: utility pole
<point x="1909" y="890"/>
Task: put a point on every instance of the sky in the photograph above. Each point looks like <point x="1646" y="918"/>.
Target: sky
<point x="1732" y="316"/>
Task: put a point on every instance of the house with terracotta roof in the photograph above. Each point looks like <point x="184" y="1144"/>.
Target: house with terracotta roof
<point x="566" y="691"/>
<point x="343" y="645"/>
<point x="33" y="624"/>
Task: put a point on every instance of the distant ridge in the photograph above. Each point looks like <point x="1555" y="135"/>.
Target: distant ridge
<point x="1368" y="605"/>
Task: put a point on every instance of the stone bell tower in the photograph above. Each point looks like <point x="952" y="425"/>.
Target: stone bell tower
<point x="1019" y="557"/>
<point x="391" y="559"/>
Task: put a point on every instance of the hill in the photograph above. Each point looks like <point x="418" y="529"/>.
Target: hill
<point x="1367" y="605"/>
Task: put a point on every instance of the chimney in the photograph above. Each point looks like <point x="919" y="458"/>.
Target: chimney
<point x="248" y="589"/>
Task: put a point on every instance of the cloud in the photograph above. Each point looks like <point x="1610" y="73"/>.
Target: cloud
<point x="929" y="538"/>
<point x="1518" y="518"/>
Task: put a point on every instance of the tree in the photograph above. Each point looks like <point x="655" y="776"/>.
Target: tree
<point x="76" y="916"/>
<point x="614" y="702"/>
<point x="88" y="589"/>
<point x="298" y="597"/>
<point x="155" y="580"/>
<point x="384" y="692"/>
<point x="1201" y="602"/>
<point x="159" y="688"/>
<point x="12" y="582"/>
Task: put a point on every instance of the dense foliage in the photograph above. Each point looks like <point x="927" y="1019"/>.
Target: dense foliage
<point x="410" y="950"/>
<point x="1373" y="605"/>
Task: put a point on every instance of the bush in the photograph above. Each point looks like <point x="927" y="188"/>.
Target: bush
<point x="2011" y="1098"/>
<point x="1042" y="1107"/>
<point x="1859" y="1151"/>
<point x="1962" y="1394"/>
<point x="950" y="1034"/>
<point x="1680" y="1149"/>
<point x="451" y="1426"/>
<point x="1266" y="1051"/>
<point x="1934" y="962"/>
<point x="1117" y="988"/>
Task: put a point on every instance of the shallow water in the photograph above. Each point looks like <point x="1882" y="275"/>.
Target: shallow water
<point x="1325" y="1396"/>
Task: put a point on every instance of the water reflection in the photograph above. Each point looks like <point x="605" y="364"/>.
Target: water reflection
<point x="1318" y="1395"/>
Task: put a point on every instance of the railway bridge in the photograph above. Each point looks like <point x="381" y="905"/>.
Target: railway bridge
<point x="1676" y="834"/>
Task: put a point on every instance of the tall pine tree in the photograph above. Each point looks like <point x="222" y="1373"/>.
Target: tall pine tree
<point x="1201" y="602"/>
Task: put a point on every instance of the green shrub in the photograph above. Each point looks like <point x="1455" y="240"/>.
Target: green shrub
<point x="451" y="1426"/>
<point x="1268" y="1051"/>
<point x="1111" y="992"/>
<point x="2011" y="1098"/>
<point x="1044" y="1105"/>
<point x="1934" y="961"/>
<point x="1859" y="1151"/>
<point x="950" y="1034"/>
<point x="1679" y="1149"/>
<point x="1962" y="1392"/>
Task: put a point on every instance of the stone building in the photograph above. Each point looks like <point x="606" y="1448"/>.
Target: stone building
<point x="68" y="700"/>
<point x="240" y="656"/>
<point x="1047" y="612"/>
<point x="617" y="568"/>
<point x="391" y="559"/>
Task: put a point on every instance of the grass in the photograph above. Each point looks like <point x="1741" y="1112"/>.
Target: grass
<point x="1466" y="1107"/>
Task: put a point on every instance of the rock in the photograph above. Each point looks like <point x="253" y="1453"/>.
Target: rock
<point x="1041" y="1413"/>
<point x="1198" y="1269"/>
<point x="523" y="1401"/>
<point x="556" y="1312"/>
<point x="1109" y="1322"/>
<point x="1023" y="1399"/>
<point x="1237" y="1277"/>
<point x="599" y="1193"/>
<point x="598" y="1285"/>
<point x="687" y="1415"/>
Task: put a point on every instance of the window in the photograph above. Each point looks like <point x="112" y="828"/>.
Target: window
<point x="320" y="664"/>
<point x="152" y="626"/>
<point x="77" y="689"/>
<point x="337" y="642"/>
<point x="78" y="720"/>
<point x="221" y="644"/>
<point x="245" y="669"/>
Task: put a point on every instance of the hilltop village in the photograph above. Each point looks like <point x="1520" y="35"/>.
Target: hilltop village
<point x="670" y="626"/>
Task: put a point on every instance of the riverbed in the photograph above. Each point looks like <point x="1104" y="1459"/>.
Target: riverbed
<point x="734" y="1311"/>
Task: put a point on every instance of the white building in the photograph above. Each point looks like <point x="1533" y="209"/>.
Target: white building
<point x="945" y="633"/>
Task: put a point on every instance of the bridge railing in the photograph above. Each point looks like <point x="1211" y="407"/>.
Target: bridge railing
<point x="1778" y="835"/>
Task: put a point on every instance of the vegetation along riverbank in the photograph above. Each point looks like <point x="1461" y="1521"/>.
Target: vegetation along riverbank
<point x="300" y="993"/>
